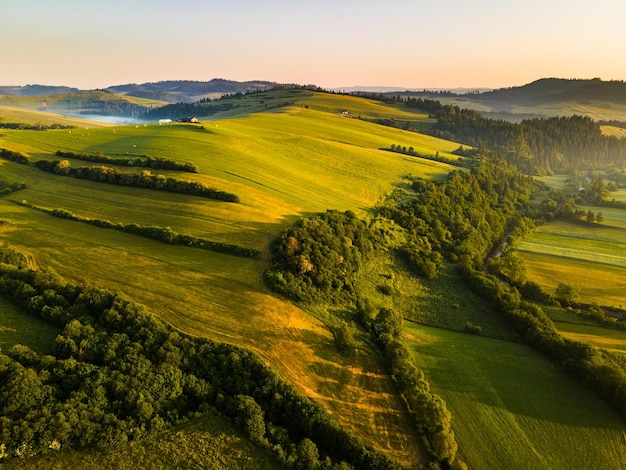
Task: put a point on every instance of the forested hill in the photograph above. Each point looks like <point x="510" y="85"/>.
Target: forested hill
<point x="537" y="146"/>
<point x="35" y="90"/>
<point x="554" y="90"/>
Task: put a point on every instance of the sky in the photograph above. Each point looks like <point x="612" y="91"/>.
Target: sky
<point x="330" y="43"/>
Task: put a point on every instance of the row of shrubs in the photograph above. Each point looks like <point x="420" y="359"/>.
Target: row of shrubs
<point x="103" y="174"/>
<point x="118" y="374"/>
<point x="7" y="188"/>
<point x="14" y="156"/>
<point x="144" y="179"/>
<point x="160" y="163"/>
<point x="429" y="411"/>
<point x="33" y="127"/>
<point x="162" y="234"/>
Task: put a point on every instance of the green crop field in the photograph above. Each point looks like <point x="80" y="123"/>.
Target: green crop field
<point x="613" y="131"/>
<point x="511" y="408"/>
<point x="592" y="258"/>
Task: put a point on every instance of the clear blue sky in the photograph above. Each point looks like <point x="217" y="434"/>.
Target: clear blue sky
<point x="330" y="43"/>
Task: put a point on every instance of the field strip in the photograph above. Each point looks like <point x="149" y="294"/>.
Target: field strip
<point x="573" y="253"/>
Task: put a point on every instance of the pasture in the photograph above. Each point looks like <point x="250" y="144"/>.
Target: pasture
<point x="511" y="408"/>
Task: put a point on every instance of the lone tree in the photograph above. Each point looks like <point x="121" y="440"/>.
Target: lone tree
<point x="565" y="294"/>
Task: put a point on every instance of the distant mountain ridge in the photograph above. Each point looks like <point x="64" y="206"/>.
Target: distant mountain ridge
<point x="36" y="90"/>
<point x="552" y="90"/>
<point x="188" y="91"/>
<point x="546" y="97"/>
<point x="170" y="91"/>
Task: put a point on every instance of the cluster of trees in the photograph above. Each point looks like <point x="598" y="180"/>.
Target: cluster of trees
<point x="429" y="411"/>
<point x="33" y="127"/>
<point x="318" y="258"/>
<point x="118" y="374"/>
<point x="144" y="179"/>
<point x="536" y="146"/>
<point x="162" y="234"/>
<point x="438" y="158"/>
<point x="464" y="216"/>
<point x="160" y="163"/>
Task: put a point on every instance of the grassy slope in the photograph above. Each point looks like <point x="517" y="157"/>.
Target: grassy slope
<point x="590" y="257"/>
<point x="10" y="114"/>
<point x="282" y="165"/>
<point x="511" y="409"/>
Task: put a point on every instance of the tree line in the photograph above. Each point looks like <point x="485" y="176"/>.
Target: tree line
<point x="144" y="179"/>
<point x="161" y="234"/>
<point x="428" y="410"/>
<point x="500" y="188"/>
<point x="7" y="188"/>
<point x="103" y="174"/>
<point x="155" y="163"/>
<point x="118" y="374"/>
<point x="33" y="127"/>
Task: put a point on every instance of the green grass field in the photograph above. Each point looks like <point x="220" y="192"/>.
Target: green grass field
<point x="511" y="408"/>
<point x="12" y="114"/>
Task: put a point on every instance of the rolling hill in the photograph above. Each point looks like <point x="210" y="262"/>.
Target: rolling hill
<point x="286" y="154"/>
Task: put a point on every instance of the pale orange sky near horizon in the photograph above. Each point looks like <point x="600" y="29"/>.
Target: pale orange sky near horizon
<point x="340" y="43"/>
